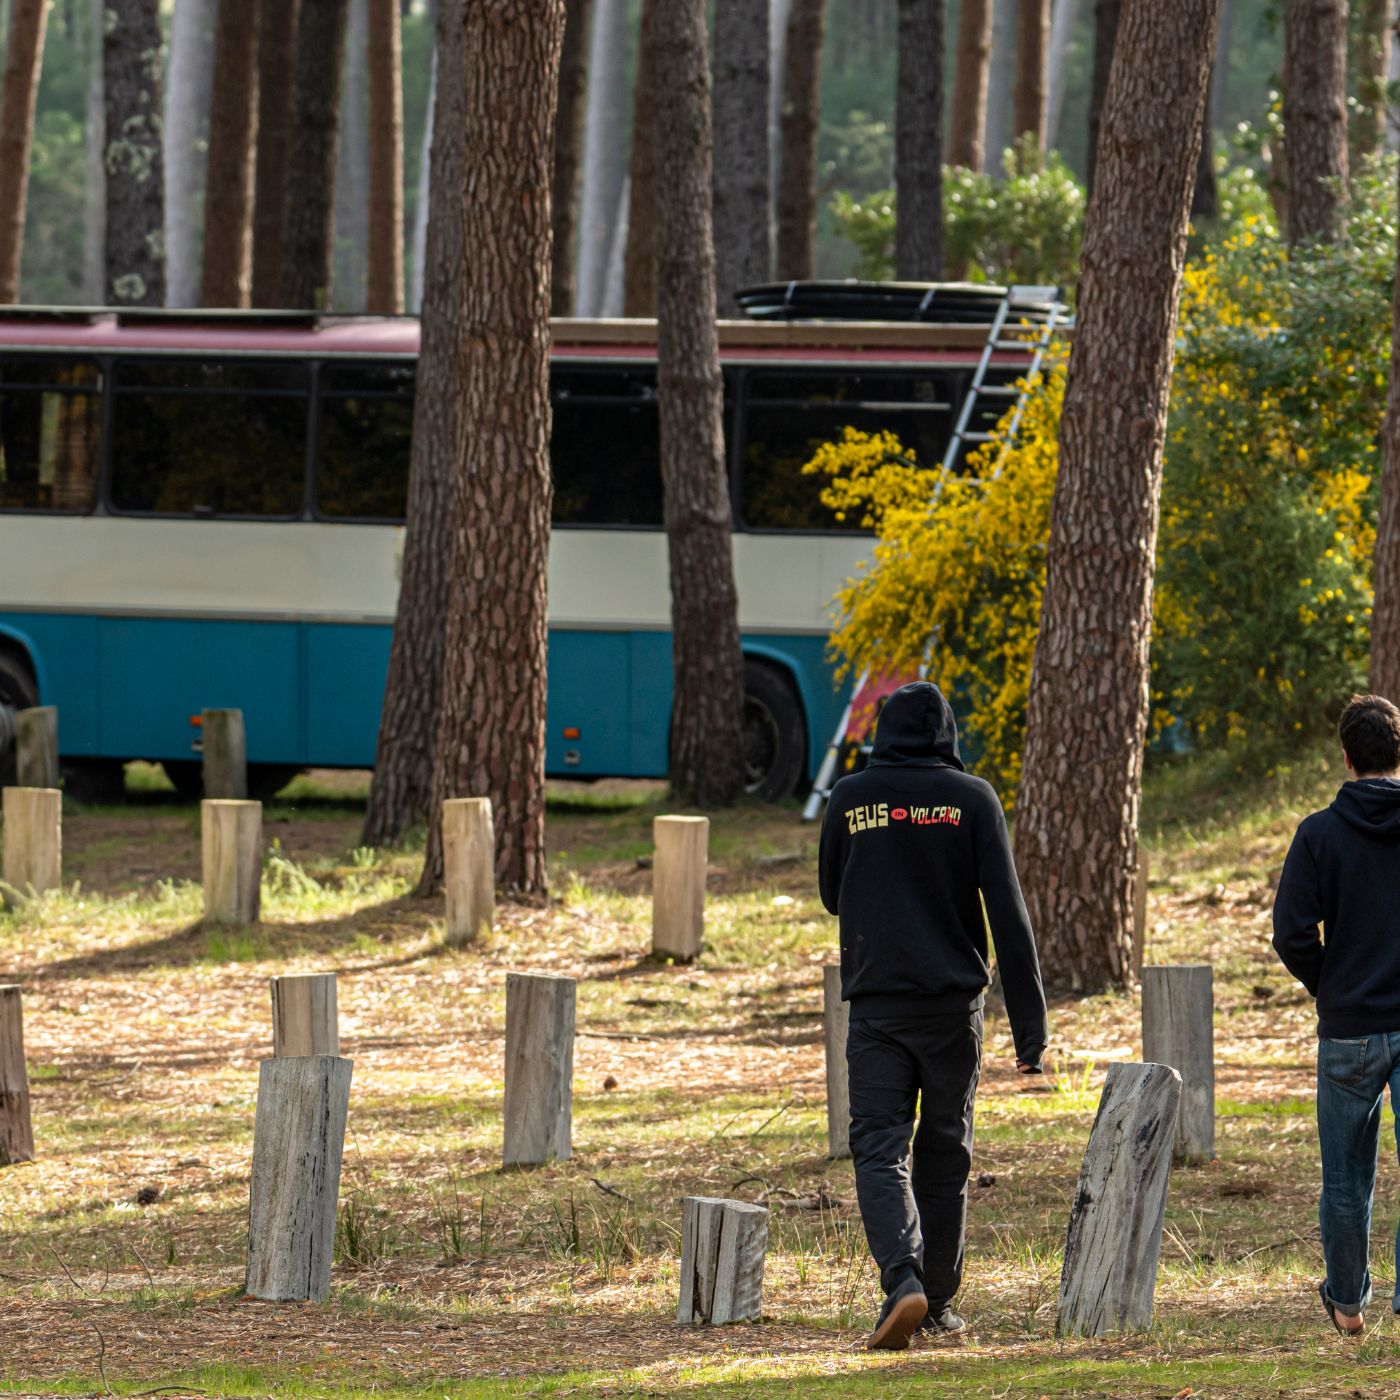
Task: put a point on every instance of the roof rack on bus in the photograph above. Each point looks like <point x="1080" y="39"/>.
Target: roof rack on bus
<point x="946" y="303"/>
<point x="60" y="315"/>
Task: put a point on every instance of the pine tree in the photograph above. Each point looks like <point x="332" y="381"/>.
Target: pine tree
<point x="918" y="140"/>
<point x="384" y="256"/>
<point x="568" y="151"/>
<point x="24" y="56"/>
<point x="797" y="167"/>
<point x="277" y="31"/>
<point x="968" y="119"/>
<point x="1315" y="117"/>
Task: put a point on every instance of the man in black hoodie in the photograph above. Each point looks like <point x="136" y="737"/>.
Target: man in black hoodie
<point x="911" y="848"/>
<point x="1343" y="872"/>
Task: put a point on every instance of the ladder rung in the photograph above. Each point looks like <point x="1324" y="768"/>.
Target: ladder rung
<point x="1027" y="344"/>
<point x="977" y="437"/>
<point x="1000" y="391"/>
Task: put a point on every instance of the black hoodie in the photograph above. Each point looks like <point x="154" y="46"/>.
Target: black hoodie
<point x="1343" y="872"/>
<point x="910" y="850"/>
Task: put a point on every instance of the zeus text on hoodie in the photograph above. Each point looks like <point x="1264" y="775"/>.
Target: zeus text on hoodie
<point x="1343" y="873"/>
<point x="911" y="848"/>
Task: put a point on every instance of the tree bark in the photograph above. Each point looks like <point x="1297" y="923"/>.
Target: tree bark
<point x="797" y="171"/>
<point x="491" y="735"/>
<point x="1001" y="83"/>
<point x="1086" y="723"/>
<point x="707" y="662"/>
<point x="187" y="100"/>
<point x="24" y="57"/>
<point x="131" y="53"/>
<point x="422" y="200"/>
<point x="1385" y="572"/>
<point x="408" y="722"/>
<point x="94" y="167"/>
<point x="1032" y="51"/>
<point x="743" y="187"/>
<point x="1106" y="16"/>
<point x="639" y="270"/>
<point x="568" y="149"/>
<point x="384" y="270"/>
<point x="1315" y="117"/>
<point x="968" y="120"/>
<point x="233" y="134"/>
<point x="604" y="165"/>
<point x="308" y="233"/>
<point x="277" y="31"/>
<point x="918" y="141"/>
<point x="349" y="247"/>
<point x="1372" y="65"/>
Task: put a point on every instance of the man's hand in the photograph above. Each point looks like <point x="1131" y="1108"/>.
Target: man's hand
<point x="1023" y="1068"/>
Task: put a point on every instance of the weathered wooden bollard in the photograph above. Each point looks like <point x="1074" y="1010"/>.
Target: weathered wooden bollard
<point x="36" y="747"/>
<point x="539" y="1069"/>
<point x="16" y="1130"/>
<point x="1115" y="1223"/>
<point x="469" y="867"/>
<point x="232" y="855"/>
<point x="723" y="1244"/>
<point x="298" y="1139"/>
<point x="836" y="1020"/>
<point x="305" y="1018"/>
<point x="1178" y="1029"/>
<point x="682" y="846"/>
<point x="225" y="749"/>
<point x="32" y="836"/>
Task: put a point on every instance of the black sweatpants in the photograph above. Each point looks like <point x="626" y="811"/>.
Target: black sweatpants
<point x="915" y="1213"/>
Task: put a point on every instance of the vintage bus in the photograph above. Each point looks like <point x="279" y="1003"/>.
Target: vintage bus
<point x="203" y="510"/>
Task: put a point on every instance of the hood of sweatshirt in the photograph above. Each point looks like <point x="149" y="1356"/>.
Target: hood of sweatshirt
<point x="1371" y="805"/>
<point x="917" y="728"/>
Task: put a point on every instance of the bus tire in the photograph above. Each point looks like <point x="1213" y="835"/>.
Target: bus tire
<point x="95" y="781"/>
<point x="18" y="691"/>
<point x="774" y="733"/>
<point x="265" y="780"/>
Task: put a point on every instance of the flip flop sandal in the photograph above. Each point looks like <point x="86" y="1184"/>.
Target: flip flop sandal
<point x="1332" y="1313"/>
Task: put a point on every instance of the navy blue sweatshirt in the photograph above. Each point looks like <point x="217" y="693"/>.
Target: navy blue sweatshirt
<point x="1343" y="872"/>
<point x="910" y="850"/>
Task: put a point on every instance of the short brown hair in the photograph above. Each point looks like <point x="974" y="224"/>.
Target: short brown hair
<point x="1370" y="731"/>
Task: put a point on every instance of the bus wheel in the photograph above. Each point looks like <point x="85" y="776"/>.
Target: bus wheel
<point x="94" y="781"/>
<point x="18" y="691"/>
<point x="775" y="734"/>
<point x="265" y="780"/>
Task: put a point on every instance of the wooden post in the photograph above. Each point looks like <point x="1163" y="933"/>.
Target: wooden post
<point x="298" y="1139"/>
<point x="36" y="747"/>
<point x="678" y="886"/>
<point x="1178" y="1029"/>
<point x="723" y="1244"/>
<point x="539" y="1069"/>
<point x="469" y="867"/>
<point x="232" y="833"/>
<point x="836" y="1020"/>
<point x="1115" y="1223"/>
<point x="33" y="840"/>
<point x="16" y="1131"/>
<point x="305" y="1020"/>
<point x="225" y="754"/>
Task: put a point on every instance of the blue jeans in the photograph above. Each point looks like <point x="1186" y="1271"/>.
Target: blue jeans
<point x="1352" y="1075"/>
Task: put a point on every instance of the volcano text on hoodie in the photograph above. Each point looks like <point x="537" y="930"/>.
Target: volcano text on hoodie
<point x="1343" y="872"/>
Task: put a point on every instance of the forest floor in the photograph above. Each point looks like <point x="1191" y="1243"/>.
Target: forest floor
<point x="122" y="1245"/>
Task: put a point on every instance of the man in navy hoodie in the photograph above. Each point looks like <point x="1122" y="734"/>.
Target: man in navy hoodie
<point x="911" y="849"/>
<point x="1343" y="872"/>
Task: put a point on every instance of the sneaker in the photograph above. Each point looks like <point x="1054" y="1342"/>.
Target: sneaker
<point x="900" y="1317"/>
<point x="941" y="1320"/>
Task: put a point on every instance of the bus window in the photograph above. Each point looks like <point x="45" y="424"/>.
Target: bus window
<point x="50" y="434"/>
<point x="787" y="417"/>
<point x="606" y="446"/>
<point x="365" y="439"/>
<point x="210" y="437"/>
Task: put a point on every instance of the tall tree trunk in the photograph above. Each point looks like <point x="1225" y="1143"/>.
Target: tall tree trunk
<point x="604" y="162"/>
<point x="186" y="120"/>
<point x="94" y="168"/>
<point x="1385" y="573"/>
<point x="918" y="141"/>
<point x="1106" y="16"/>
<point x="384" y="273"/>
<point x="707" y="663"/>
<point x="308" y="233"/>
<point x="131" y="53"/>
<point x="24" y="56"/>
<point x="1062" y="22"/>
<point x="233" y="135"/>
<point x="423" y="203"/>
<point x="1315" y="117"/>
<point x="277" y="34"/>
<point x="639" y="271"/>
<point x="779" y="12"/>
<point x="1086" y="722"/>
<point x="1032" y="50"/>
<point x="1205" y="198"/>
<point x="968" y="119"/>
<point x="568" y="148"/>
<point x="743" y="192"/>
<point x="1001" y="84"/>
<point x="491" y="736"/>
<point x="1372" y="65"/>
<point x="408" y="722"/>
<point x="797" y="173"/>
<point x="349" y="250"/>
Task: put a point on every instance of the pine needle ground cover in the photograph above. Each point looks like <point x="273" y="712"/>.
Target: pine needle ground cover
<point x="122" y="1245"/>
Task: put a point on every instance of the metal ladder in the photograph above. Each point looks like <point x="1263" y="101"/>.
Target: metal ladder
<point x="963" y="435"/>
